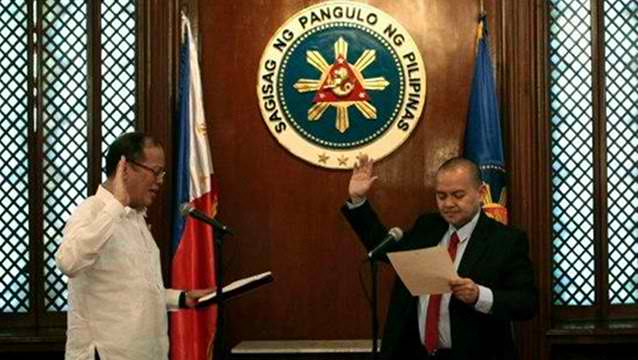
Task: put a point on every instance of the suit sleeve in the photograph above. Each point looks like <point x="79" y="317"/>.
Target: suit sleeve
<point x="366" y="224"/>
<point x="516" y="298"/>
<point x="371" y="231"/>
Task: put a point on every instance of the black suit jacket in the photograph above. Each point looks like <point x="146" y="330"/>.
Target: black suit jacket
<point x="496" y="257"/>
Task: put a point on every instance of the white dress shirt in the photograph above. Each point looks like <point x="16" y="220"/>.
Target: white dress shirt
<point x="117" y="300"/>
<point x="485" y="298"/>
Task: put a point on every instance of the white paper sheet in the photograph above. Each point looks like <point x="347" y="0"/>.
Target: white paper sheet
<point x="424" y="271"/>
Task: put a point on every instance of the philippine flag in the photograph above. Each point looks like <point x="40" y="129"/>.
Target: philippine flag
<point x="192" y="331"/>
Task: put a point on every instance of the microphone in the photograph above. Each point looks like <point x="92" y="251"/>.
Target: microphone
<point x="394" y="235"/>
<point x="186" y="209"/>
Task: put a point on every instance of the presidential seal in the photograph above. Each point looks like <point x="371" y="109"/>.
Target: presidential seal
<point x="341" y="79"/>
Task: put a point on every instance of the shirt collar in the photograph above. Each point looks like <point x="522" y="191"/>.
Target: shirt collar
<point x="105" y="195"/>
<point x="466" y="230"/>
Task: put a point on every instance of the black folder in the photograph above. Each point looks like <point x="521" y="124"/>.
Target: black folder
<point x="237" y="288"/>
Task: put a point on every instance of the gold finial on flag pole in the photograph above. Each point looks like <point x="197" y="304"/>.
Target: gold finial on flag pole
<point x="479" y="29"/>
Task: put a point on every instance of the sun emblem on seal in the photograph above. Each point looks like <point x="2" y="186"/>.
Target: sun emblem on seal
<point x="341" y="85"/>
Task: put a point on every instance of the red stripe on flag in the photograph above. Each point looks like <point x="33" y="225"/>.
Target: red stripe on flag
<point x="193" y="331"/>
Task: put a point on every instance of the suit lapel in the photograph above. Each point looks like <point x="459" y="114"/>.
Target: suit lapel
<point x="433" y="238"/>
<point x="428" y="234"/>
<point x="476" y="246"/>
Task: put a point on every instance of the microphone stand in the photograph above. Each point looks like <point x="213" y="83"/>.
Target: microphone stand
<point x="373" y="305"/>
<point x="219" y="351"/>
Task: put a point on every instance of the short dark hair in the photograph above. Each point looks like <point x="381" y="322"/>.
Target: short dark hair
<point x="461" y="162"/>
<point x="131" y="145"/>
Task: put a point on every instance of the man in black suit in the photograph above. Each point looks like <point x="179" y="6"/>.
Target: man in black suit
<point x="496" y="278"/>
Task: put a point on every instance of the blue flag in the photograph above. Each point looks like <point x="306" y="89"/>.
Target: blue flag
<point x="483" y="142"/>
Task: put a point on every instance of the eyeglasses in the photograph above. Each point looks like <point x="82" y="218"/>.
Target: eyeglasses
<point x="159" y="174"/>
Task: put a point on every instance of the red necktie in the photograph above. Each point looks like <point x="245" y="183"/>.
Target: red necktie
<point x="434" y="305"/>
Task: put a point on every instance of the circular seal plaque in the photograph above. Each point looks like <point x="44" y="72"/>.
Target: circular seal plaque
<point x="341" y="79"/>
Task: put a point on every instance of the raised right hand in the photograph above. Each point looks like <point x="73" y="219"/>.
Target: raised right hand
<point x="361" y="179"/>
<point x="119" y="182"/>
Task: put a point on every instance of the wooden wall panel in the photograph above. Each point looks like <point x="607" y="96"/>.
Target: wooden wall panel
<point x="285" y="211"/>
<point x="159" y="29"/>
<point x="527" y="152"/>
